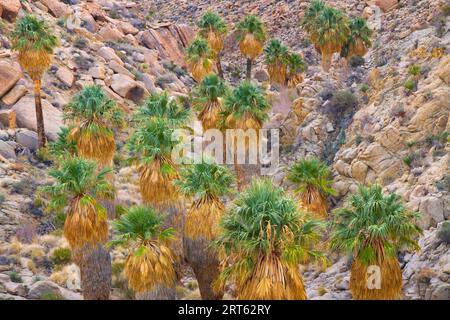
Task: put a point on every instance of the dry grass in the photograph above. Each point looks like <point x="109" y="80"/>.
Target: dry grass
<point x="314" y="202"/>
<point x="210" y="115"/>
<point x="277" y="73"/>
<point x="215" y="42"/>
<point x="201" y="68"/>
<point x="35" y="62"/>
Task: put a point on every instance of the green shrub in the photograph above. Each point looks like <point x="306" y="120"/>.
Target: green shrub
<point x="61" y="256"/>
<point x="15" y="277"/>
<point x="51" y="296"/>
<point x="80" y="42"/>
<point x="409" y="85"/>
<point x="364" y="87"/>
<point x="415" y="70"/>
<point x="356" y="61"/>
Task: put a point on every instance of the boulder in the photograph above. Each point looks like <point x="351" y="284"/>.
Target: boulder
<point x="170" y="40"/>
<point x="8" y="77"/>
<point x="127" y="88"/>
<point x="107" y="33"/>
<point x="40" y="289"/>
<point x="9" y="9"/>
<point x="128" y="28"/>
<point x="26" y="116"/>
<point x="56" y="8"/>
<point x="97" y="72"/>
<point x="65" y="75"/>
<point x="14" y="95"/>
<point x="118" y="68"/>
<point x="432" y="210"/>
<point x="261" y="75"/>
<point x="27" y="138"/>
<point x="89" y="22"/>
<point x="109" y="54"/>
<point x="386" y="5"/>
<point x="7" y="151"/>
<point x="8" y="118"/>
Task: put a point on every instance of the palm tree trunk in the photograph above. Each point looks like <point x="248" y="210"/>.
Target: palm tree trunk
<point x="219" y="66"/>
<point x="39" y="114"/>
<point x="248" y="76"/>
<point x="95" y="271"/>
<point x="205" y="265"/>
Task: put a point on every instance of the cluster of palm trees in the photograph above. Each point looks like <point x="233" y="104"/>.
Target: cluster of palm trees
<point x="331" y="31"/>
<point x="258" y="239"/>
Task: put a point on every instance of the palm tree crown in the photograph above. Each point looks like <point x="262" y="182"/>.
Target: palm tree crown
<point x="63" y="146"/>
<point x="251" y="25"/>
<point x="264" y="230"/>
<point x="309" y="21"/>
<point x="205" y="180"/>
<point x="209" y="90"/>
<point x="198" y="50"/>
<point x="35" y="42"/>
<point x="152" y="140"/>
<point x="311" y="173"/>
<point x="332" y="30"/>
<point x="374" y="226"/>
<point x="275" y="51"/>
<point x="358" y="41"/>
<point x="213" y="28"/>
<point x="162" y="106"/>
<point x="150" y="262"/>
<point x="92" y="108"/>
<point x="295" y="64"/>
<point x="246" y="100"/>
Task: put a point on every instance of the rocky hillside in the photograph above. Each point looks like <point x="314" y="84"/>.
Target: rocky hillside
<point x="364" y="119"/>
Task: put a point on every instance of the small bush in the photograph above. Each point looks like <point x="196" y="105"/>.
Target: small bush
<point x="444" y="232"/>
<point x="164" y="80"/>
<point x="415" y="70"/>
<point x="356" y="61"/>
<point x="24" y="186"/>
<point x="364" y="87"/>
<point x="358" y="140"/>
<point x="342" y="100"/>
<point x="444" y="183"/>
<point x="15" y="277"/>
<point x="61" y="256"/>
<point x="114" y="14"/>
<point x="61" y="22"/>
<point x="409" y="85"/>
<point x="80" y="42"/>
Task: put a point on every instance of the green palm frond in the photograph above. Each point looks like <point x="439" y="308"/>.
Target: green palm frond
<point x="198" y="50"/>
<point x="359" y="31"/>
<point x="205" y="180"/>
<point x="209" y="90"/>
<point x="275" y="51"/>
<point x="77" y="178"/>
<point x="31" y="33"/>
<point x="210" y="21"/>
<point x="264" y="220"/>
<point x="63" y="146"/>
<point x="251" y="25"/>
<point x="309" y="21"/>
<point x="246" y="99"/>
<point x="163" y="106"/>
<point x="152" y="139"/>
<point x="311" y="173"/>
<point x="372" y="220"/>
<point x="92" y="107"/>
<point x="140" y="224"/>
<point x="295" y="63"/>
<point x="332" y="27"/>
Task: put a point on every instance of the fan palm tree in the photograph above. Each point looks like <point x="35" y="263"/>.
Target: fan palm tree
<point x="329" y="33"/>
<point x="213" y="28"/>
<point x="276" y="55"/>
<point x="313" y="179"/>
<point x="151" y="146"/>
<point x="207" y="99"/>
<point x="311" y="17"/>
<point x="149" y="263"/>
<point x="264" y="238"/>
<point x="94" y="116"/>
<point x="358" y="42"/>
<point x="199" y="57"/>
<point x="206" y="183"/>
<point x="251" y="35"/>
<point x="295" y="66"/>
<point x="163" y="106"/>
<point x="373" y="227"/>
<point x="77" y="186"/>
<point x="35" y="42"/>
<point x="245" y="108"/>
<point x="63" y="146"/>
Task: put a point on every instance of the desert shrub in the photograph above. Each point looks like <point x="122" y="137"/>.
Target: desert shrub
<point x="61" y="22"/>
<point x="414" y="70"/>
<point x="364" y="87"/>
<point x="80" y="42"/>
<point x="114" y="14"/>
<point x="444" y="232"/>
<point x="61" y="256"/>
<point x="444" y="183"/>
<point x="412" y="159"/>
<point x="321" y="291"/>
<point x="356" y="61"/>
<point x="14" y="276"/>
<point x="409" y="85"/>
<point x="163" y="80"/>
<point x="84" y="63"/>
<point x="174" y="68"/>
<point x="437" y="140"/>
<point x="342" y="100"/>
